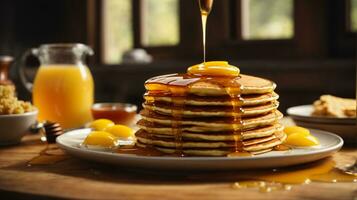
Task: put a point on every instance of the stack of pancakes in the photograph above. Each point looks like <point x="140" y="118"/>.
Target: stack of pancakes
<point x="205" y="121"/>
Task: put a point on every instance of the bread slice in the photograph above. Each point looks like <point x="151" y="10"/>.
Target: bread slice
<point x="333" y="106"/>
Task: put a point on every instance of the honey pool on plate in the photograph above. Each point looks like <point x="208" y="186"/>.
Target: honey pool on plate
<point x="268" y="180"/>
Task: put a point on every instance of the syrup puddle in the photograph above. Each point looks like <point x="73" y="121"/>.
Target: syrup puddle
<point x="269" y="180"/>
<point x="285" y="178"/>
<point x="50" y="155"/>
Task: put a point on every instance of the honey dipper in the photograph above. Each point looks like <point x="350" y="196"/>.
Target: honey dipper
<point x="49" y="130"/>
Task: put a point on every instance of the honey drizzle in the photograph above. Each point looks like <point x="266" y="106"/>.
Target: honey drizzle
<point x="237" y="111"/>
<point x="205" y="8"/>
<point x="179" y="103"/>
<point x="282" y="147"/>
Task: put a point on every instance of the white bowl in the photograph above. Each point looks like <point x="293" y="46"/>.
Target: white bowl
<point x="13" y="127"/>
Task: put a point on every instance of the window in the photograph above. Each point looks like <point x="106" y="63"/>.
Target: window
<point x="267" y="19"/>
<point x="237" y="29"/>
<point x="117" y="29"/>
<point x="160" y="23"/>
<point x="353" y="15"/>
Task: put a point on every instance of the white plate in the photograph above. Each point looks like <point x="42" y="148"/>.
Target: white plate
<point x="330" y="143"/>
<point x="303" y="113"/>
<point x="344" y="127"/>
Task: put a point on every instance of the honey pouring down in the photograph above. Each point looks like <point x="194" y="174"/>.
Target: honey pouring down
<point x="205" y="9"/>
<point x="232" y="88"/>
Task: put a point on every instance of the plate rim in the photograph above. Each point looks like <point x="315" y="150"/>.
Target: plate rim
<point x="335" y="147"/>
<point x="326" y="120"/>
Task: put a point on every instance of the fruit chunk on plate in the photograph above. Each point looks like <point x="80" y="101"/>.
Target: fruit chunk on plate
<point x="106" y="135"/>
<point x="300" y="137"/>
<point x="100" y="140"/>
<point x="101" y="124"/>
<point x="120" y="131"/>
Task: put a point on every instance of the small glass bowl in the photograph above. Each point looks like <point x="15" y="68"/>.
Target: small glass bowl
<point x="119" y="113"/>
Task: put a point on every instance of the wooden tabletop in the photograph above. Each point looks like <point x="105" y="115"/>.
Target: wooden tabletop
<point x="69" y="177"/>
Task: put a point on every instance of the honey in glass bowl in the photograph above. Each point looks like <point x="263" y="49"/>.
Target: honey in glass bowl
<point x="119" y="113"/>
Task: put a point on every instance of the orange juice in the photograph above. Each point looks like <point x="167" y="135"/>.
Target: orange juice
<point x="64" y="94"/>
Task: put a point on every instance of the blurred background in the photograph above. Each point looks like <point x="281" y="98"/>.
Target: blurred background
<point x="307" y="47"/>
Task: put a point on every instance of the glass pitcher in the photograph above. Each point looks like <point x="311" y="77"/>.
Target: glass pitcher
<point x="63" y="88"/>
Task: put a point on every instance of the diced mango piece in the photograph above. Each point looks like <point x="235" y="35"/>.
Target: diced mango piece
<point x="120" y="131"/>
<point x="296" y="129"/>
<point x="101" y="124"/>
<point x="301" y="139"/>
<point x="100" y="138"/>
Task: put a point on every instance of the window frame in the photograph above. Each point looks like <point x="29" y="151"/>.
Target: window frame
<point x="343" y="43"/>
<point x="312" y="33"/>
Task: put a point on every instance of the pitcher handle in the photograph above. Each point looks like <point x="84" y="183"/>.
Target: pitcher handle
<point x="25" y="82"/>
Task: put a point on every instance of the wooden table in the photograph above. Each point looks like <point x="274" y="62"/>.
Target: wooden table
<point x="73" y="178"/>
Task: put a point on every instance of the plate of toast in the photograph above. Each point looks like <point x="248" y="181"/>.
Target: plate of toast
<point x="329" y="113"/>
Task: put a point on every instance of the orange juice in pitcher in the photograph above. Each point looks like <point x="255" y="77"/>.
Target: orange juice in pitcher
<point x="66" y="100"/>
<point x="63" y="89"/>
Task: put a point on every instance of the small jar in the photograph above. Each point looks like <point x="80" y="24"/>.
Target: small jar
<point x="5" y="63"/>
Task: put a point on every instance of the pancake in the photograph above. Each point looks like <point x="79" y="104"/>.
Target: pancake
<point x="198" y="152"/>
<point x="211" y="111"/>
<point x="247" y="100"/>
<point x="162" y="131"/>
<point x="213" y="124"/>
<point x="212" y="87"/>
<point x="254" y="146"/>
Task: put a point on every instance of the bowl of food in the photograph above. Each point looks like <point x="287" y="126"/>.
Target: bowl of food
<point x="16" y="116"/>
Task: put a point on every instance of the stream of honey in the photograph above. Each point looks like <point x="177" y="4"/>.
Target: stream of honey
<point x="205" y="9"/>
<point x="232" y="88"/>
